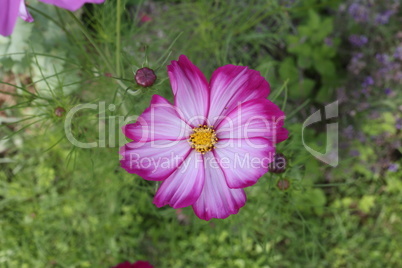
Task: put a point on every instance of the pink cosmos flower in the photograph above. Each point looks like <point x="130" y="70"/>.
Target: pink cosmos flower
<point x="10" y="10"/>
<point x="217" y="138"/>
<point x="145" y="18"/>
<point x="137" y="264"/>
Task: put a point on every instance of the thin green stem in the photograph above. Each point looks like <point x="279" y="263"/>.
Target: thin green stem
<point x="285" y="99"/>
<point x="278" y="92"/>
<point x="99" y="51"/>
<point x="118" y="37"/>
<point x="88" y="36"/>
<point x="295" y="111"/>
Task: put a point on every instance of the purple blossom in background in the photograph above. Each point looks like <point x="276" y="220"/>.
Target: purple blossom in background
<point x="382" y="58"/>
<point x="365" y="92"/>
<point x="359" y="13"/>
<point x="398" y="124"/>
<point x="328" y="41"/>
<point x="393" y="167"/>
<point x="383" y="18"/>
<point x="356" y="64"/>
<point x="388" y="91"/>
<point x="390" y="72"/>
<point x="360" y="135"/>
<point x="341" y="95"/>
<point x="349" y="132"/>
<point x="358" y="40"/>
<point x="398" y="53"/>
<point x="358" y="56"/>
<point x="355" y="94"/>
<point x="374" y="115"/>
<point x="354" y="153"/>
<point x="398" y="76"/>
<point x="368" y="81"/>
<point x="363" y="106"/>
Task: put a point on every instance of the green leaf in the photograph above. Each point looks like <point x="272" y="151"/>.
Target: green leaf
<point x="326" y="27"/>
<point x="327" y="51"/>
<point x="325" y="67"/>
<point x="304" y="31"/>
<point x="324" y="95"/>
<point x="310" y="201"/>
<point x="288" y="70"/>
<point x="302" y="90"/>
<point x="292" y="39"/>
<point x="366" y="203"/>
<point x="314" y="21"/>
<point x="304" y="62"/>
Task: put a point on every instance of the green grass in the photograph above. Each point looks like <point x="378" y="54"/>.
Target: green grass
<point x="63" y="206"/>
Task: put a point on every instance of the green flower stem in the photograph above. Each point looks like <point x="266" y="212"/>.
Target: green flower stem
<point x="118" y="37"/>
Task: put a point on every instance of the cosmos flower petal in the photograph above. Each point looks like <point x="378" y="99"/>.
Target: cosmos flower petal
<point x="217" y="200"/>
<point x="155" y="160"/>
<point x="8" y="15"/>
<point x="184" y="186"/>
<point x="160" y="121"/>
<point x="254" y="118"/>
<point x="141" y="264"/>
<point x="190" y="89"/>
<point x="71" y="5"/>
<point x="244" y="161"/>
<point x="23" y="12"/>
<point x="231" y="85"/>
<point x="137" y="264"/>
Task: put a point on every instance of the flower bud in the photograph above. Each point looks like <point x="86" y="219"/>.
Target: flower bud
<point x="145" y="18"/>
<point x="59" y="111"/>
<point x="145" y="77"/>
<point x="278" y="165"/>
<point x="283" y="184"/>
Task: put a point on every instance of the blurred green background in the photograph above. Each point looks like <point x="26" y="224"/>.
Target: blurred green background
<point x="64" y="206"/>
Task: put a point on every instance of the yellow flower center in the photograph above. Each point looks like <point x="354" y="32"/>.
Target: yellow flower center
<point x="203" y="138"/>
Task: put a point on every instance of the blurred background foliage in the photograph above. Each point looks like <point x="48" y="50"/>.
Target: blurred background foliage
<point x="63" y="206"/>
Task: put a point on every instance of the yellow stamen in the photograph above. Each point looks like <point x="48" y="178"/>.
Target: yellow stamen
<point x="203" y="138"/>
